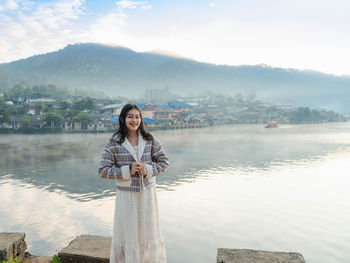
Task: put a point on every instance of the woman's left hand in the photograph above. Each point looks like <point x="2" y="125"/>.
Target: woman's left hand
<point x="143" y="170"/>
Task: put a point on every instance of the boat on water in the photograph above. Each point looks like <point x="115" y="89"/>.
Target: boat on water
<point x="271" y="124"/>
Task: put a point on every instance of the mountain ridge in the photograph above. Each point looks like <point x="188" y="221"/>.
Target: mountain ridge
<point x="122" y="71"/>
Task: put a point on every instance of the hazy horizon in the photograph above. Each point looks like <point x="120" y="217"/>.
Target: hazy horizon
<point x="310" y="35"/>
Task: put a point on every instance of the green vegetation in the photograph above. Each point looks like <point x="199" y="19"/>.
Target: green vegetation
<point x="26" y="122"/>
<point x="55" y="259"/>
<point x="14" y="260"/>
<point x="84" y="104"/>
<point x="17" y="91"/>
<point x="53" y="119"/>
<point x="39" y="107"/>
<point x="46" y="108"/>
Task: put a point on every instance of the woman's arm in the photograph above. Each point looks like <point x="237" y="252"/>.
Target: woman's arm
<point x="108" y="169"/>
<point x="160" y="161"/>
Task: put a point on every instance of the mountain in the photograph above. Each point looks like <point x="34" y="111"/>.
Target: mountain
<point x="116" y="70"/>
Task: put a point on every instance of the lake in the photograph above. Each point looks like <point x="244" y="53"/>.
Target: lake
<point x="234" y="186"/>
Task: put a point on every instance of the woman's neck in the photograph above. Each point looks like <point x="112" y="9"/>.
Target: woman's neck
<point x="132" y="134"/>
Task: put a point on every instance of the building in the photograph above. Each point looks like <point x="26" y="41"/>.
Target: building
<point x="111" y="109"/>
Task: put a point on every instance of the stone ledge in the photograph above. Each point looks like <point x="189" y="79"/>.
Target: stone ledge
<point x="12" y="245"/>
<point x="96" y="249"/>
<point x="226" y="255"/>
<point x="29" y="258"/>
<point x="87" y="248"/>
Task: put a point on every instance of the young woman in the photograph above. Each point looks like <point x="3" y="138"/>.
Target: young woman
<point x="133" y="158"/>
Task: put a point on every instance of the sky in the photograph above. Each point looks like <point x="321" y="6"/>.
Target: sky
<point x="300" y="34"/>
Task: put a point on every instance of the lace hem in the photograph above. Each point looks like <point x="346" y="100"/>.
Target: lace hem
<point x="150" y="252"/>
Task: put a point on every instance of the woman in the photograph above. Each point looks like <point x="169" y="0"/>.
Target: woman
<point x="133" y="158"/>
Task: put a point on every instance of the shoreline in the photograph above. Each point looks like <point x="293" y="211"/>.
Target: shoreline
<point x="64" y="131"/>
<point x="92" y="248"/>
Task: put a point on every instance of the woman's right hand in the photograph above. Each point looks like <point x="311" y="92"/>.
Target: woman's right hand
<point x="135" y="168"/>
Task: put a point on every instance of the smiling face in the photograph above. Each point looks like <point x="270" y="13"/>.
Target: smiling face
<point x="133" y="120"/>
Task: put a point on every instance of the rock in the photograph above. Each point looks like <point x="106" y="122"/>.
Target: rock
<point x="226" y="255"/>
<point x="87" y="248"/>
<point x="12" y="245"/>
<point x="29" y="258"/>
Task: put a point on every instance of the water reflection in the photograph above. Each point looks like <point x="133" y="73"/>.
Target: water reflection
<point x="230" y="186"/>
<point x="50" y="218"/>
<point x="69" y="162"/>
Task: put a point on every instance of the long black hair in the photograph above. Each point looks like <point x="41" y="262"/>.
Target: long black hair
<point x="123" y="131"/>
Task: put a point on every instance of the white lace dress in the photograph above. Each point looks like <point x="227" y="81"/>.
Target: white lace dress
<point x="136" y="230"/>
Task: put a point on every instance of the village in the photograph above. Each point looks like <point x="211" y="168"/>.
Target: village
<point x="27" y="111"/>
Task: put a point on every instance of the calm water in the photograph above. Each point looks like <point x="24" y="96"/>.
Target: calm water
<point x="244" y="186"/>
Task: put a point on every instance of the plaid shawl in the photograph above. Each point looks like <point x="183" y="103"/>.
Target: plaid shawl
<point x="117" y="158"/>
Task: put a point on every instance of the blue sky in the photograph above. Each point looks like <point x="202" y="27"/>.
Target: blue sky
<point x="302" y="34"/>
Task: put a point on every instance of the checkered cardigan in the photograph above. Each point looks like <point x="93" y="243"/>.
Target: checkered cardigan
<point x="117" y="158"/>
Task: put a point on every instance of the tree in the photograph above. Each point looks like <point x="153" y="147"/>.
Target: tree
<point x="47" y="107"/>
<point x="39" y="107"/>
<point x="79" y="105"/>
<point x="158" y="95"/>
<point x="26" y="122"/>
<point x="303" y="114"/>
<point x="18" y="110"/>
<point x="17" y="91"/>
<point x="89" y="104"/>
<point x="238" y="98"/>
<point x="71" y="113"/>
<point x="251" y="96"/>
<point x="84" y="119"/>
<point x="64" y="105"/>
<point x="53" y="119"/>
<point x="271" y="109"/>
<point x="4" y="116"/>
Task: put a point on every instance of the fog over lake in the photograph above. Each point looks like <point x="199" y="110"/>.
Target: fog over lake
<point x="235" y="186"/>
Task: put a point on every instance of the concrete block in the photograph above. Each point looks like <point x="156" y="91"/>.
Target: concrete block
<point x="226" y="255"/>
<point x="12" y="245"/>
<point x="87" y="248"/>
<point x="29" y="258"/>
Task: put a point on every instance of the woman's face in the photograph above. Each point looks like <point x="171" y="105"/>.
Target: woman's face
<point x="132" y="120"/>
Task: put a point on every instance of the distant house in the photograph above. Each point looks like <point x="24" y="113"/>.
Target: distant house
<point x="36" y="122"/>
<point x="66" y="125"/>
<point x="163" y="112"/>
<point x="31" y="112"/>
<point x="158" y="112"/>
<point x="285" y="107"/>
<point x="111" y="109"/>
<point x="102" y="102"/>
<point x="41" y="100"/>
<point x="180" y="105"/>
<point x="76" y="126"/>
<point x="21" y="99"/>
<point x="96" y="126"/>
<point x="149" y="123"/>
<point x="15" y="122"/>
<point x="70" y="125"/>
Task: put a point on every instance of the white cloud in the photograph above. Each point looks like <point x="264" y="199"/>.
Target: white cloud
<point x="112" y="28"/>
<point x="107" y="29"/>
<point x="236" y="33"/>
<point x="126" y="4"/>
<point x="54" y="15"/>
<point x="44" y="27"/>
<point x="146" y="7"/>
<point x="12" y="5"/>
<point x="37" y="28"/>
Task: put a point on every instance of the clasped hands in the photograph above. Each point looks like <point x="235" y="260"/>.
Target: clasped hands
<point x="138" y="167"/>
